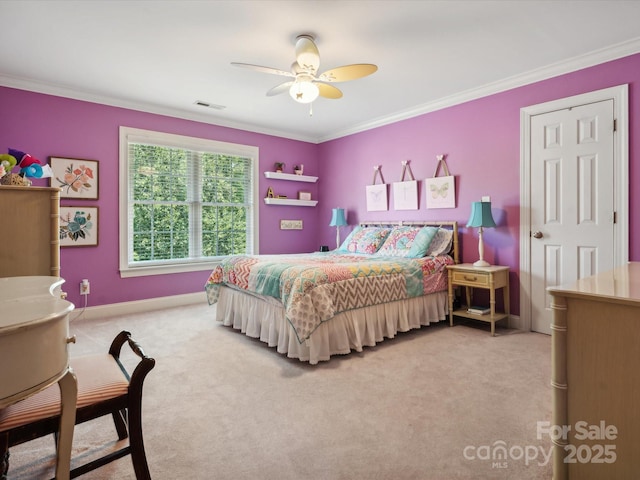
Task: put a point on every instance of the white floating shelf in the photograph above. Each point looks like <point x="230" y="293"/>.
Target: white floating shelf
<point x="290" y="201"/>
<point x="291" y="177"/>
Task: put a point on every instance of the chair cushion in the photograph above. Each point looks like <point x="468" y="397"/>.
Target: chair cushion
<point x="99" y="378"/>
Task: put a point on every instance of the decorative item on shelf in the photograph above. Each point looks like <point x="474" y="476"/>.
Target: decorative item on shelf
<point x="270" y="193"/>
<point x="15" y="179"/>
<point x="377" y="194"/>
<point x="481" y="218"/>
<point x="279" y="166"/>
<point x="405" y="192"/>
<point x="478" y="310"/>
<point x="281" y="196"/>
<point x="441" y="191"/>
<point x="298" y="169"/>
<point x="338" y="220"/>
<point x="304" y="195"/>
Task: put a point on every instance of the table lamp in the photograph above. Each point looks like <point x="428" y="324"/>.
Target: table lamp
<point x="338" y="220"/>
<point x="481" y="218"/>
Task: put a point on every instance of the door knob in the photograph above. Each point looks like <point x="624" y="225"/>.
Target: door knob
<point x="537" y="234"/>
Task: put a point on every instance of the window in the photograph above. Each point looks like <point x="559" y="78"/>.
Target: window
<point x="184" y="202"/>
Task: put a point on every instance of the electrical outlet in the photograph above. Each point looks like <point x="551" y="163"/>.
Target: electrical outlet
<point x="85" y="287"/>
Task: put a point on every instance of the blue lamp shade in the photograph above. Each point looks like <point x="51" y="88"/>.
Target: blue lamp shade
<point x="481" y="215"/>
<point x="338" y="218"/>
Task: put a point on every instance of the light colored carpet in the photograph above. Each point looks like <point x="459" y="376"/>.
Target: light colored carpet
<point x="429" y="404"/>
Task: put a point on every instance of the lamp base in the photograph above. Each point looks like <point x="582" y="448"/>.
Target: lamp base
<point x="481" y="263"/>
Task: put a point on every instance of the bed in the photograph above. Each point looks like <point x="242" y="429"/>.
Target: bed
<point x="385" y="278"/>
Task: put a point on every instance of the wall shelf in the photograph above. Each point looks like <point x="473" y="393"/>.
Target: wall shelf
<point x="291" y="177"/>
<point x="290" y="201"/>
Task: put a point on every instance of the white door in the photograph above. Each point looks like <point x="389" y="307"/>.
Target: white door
<point x="572" y="200"/>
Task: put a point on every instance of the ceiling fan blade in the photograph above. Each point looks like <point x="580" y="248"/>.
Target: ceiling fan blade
<point x="328" y="91"/>
<point x="348" y="72"/>
<point x="278" y="89"/>
<point x="273" y="71"/>
<point x="307" y="54"/>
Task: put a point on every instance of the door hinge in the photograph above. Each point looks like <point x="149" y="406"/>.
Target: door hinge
<point x="615" y="125"/>
<point x="615" y="217"/>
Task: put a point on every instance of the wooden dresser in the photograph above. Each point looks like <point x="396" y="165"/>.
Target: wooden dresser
<point x="596" y="376"/>
<point x="29" y="234"/>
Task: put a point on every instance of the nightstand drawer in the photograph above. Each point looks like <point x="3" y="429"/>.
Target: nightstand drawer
<point x="471" y="279"/>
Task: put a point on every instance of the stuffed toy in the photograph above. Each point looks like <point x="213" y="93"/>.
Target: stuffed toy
<point x="30" y="166"/>
<point x="7" y="162"/>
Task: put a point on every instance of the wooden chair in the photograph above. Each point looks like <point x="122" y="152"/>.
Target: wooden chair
<point x="104" y="387"/>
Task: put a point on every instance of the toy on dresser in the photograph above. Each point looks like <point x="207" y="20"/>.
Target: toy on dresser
<point x="29" y="167"/>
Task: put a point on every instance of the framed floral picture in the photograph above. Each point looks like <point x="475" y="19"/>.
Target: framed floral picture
<point x="77" y="178"/>
<point x="78" y="226"/>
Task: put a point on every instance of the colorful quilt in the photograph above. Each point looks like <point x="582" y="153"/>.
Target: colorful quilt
<point x="315" y="287"/>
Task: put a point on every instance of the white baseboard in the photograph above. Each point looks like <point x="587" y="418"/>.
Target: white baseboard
<point x="516" y="322"/>
<point x="137" y="306"/>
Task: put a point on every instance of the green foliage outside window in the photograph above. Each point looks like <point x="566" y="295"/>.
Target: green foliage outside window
<point x="188" y="204"/>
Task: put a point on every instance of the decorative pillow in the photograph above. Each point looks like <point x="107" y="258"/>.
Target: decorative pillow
<point x="441" y="243"/>
<point x="364" y="240"/>
<point x="410" y="242"/>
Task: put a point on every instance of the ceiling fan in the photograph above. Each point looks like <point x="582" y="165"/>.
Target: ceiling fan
<point x="306" y="84"/>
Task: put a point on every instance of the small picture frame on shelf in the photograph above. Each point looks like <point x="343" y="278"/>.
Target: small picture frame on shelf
<point x="304" y="195"/>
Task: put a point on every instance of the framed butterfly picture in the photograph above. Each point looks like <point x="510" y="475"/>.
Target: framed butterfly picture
<point x="377" y="198"/>
<point x="441" y="192"/>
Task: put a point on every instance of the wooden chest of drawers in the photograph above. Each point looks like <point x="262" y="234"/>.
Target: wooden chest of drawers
<point x="30" y="231"/>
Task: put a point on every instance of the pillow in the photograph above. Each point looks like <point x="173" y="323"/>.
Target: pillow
<point x="410" y="242"/>
<point x="441" y="243"/>
<point x="364" y="240"/>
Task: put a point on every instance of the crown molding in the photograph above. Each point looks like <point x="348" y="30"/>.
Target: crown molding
<point x="596" y="57"/>
<point x="66" y="92"/>
<point x="591" y="59"/>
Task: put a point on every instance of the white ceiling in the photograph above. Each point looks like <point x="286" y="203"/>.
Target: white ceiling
<point x="163" y="56"/>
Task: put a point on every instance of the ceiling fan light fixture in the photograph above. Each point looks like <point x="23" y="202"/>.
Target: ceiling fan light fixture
<point x="304" y="91"/>
<point x="305" y="85"/>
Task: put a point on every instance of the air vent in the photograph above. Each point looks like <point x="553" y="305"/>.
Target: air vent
<point x="200" y="103"/>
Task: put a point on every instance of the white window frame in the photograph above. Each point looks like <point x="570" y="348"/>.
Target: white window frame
<point x="129" y="134"/>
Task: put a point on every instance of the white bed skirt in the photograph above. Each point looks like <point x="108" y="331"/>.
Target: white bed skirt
<point x="263" y="318"/>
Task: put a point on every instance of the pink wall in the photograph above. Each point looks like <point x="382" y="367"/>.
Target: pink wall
<point x="45" y="125"/>
<point x="481" y="139"/>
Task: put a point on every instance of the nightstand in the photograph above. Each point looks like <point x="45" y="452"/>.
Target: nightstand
<point x="489" y="278"/>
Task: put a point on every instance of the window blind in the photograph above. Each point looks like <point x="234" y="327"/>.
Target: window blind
<point x="187" y="204"/>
